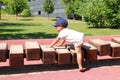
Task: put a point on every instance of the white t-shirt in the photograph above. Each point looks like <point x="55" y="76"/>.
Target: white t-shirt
<point x="72" y="36"/>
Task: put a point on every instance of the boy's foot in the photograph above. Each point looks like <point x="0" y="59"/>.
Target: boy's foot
<point x="83" y="70"/>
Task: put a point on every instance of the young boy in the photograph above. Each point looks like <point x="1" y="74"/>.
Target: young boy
<point x="65" y="34"/>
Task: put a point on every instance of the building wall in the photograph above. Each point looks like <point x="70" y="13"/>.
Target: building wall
<point x="36" y="7"/>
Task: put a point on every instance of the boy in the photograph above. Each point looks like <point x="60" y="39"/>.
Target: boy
<point x="65" y="34"/>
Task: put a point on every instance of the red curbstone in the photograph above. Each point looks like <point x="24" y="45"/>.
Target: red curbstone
<point x="115" y="49"/>
<point x="90" y="52"/>
<point x="48" y="55"/>
<point x="16" y="56"/>
<point x="32" y="50"/>
<point x="102" y="46"/>
<point x="63" y="56"/>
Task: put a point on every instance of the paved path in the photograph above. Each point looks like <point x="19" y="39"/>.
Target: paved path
<point x="108" y="69"/>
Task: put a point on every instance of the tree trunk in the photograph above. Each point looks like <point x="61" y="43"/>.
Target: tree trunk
<point x="16" y="16"/>
<point x="48" y="15"/>
<point x="0" y="12"/>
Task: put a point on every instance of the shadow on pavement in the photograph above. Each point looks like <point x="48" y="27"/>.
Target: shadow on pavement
<point x="103" y="62"/>
<point x="45" y="67"/>
<point x="34" y="68"/>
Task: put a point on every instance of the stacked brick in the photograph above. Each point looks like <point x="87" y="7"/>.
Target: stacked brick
<point x="73" y="56"/>
<point x="115" y="49"/>
<point x="48" y="55"/>
<point x="16" y="56"/>
<point x="102" y="46"/>
<point x="60" y="55"/>
<point x="63" y="56"/>
<point x="32" y="50"/>
<point x="3" y="51"/>
<point x="116" y="39"/>
<point x="90" y="52"/>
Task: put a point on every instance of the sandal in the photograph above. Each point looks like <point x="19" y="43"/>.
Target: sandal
<point x="82" y="70"/>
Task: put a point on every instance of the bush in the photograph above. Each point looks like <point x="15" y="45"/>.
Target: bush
<point x="100" y="13"/>
<point x="25" y="13"/>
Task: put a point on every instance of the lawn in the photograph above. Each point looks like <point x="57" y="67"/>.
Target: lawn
<point x="40" y="27"/>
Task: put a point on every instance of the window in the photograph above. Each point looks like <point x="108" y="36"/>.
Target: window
<point x="39" y="12"/>
<point x="29" y="0"/>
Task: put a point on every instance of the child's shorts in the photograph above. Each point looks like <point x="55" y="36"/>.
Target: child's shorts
<point x="79" y="42"/>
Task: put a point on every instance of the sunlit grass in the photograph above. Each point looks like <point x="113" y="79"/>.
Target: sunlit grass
<point x="40" y="27"/>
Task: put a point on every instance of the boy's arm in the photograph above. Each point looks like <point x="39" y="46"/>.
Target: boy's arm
<point x="54" y="42"/>
<point x="62" y="42"/>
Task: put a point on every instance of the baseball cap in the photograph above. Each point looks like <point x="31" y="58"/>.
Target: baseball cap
<point x="61" y="21"/>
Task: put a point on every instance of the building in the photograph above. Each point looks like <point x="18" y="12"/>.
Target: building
<point x="36" y="8"/>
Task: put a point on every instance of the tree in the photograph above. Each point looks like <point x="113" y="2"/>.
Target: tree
<point x="114" y="15"/>
<point x="15" y="6"/>
<point x="48" y="7"/>
<point x="1" y="4"/>
<point x="69" y="7"/>
<point x="99" y="13"/>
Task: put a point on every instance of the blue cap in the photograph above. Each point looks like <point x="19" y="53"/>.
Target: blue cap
<point x="61" y="21"/>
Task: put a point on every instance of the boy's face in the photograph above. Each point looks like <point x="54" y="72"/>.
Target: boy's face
<point x="59" y="28"/>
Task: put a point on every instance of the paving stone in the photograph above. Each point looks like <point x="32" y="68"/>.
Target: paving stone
<point x="32" y="50"/>
<point x="48" y="55"/>
<point x="3" y="51"/>
<point x="16" y="55"/>
<point x="102" y="46"/>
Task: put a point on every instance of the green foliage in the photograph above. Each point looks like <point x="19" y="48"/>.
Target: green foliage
<point x="15" y="6"/>
<point x="25" y="13"/>
<point x="48" y="7"/>
<point x="114" y="15"/>
<point x="98" y="13"/>
<point x="70" y="7"/>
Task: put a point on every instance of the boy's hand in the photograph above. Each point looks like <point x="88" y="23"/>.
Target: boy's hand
<point x="58" y="45"/>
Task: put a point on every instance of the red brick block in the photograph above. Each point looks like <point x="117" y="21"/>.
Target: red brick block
<point x="102" y="46"/>
<point x="32" y="50"/>
<point x="116" y="39"/>
<point x="74" y="56"/>
<point x="48" y="55"/>
<point x="63" y="56"/>
<point x="3" y="52"/>
<point x="59" y="47"/>
<point x="115" y="49"/>
<point x="90" y="52"/>
<point x="16" y="56"/>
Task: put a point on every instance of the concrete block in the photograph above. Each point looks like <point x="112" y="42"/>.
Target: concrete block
<point x="48" y="55"/>
<point x="115" y="49"/>
<point x="63" y="56"/>
<point x="74" y="56"/>
<point x="16" y="56"/>
<point x="3" y="51"/>
<point x="90" y="52"/>
<point x="32" y="50"/>
<point x="116" y="39"/>
<point x="102" y="46"/>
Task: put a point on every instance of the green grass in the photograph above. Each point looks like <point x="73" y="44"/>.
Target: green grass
<point x="39" y="27"/>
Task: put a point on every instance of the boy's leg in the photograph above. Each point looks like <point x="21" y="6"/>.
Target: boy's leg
<point x="79" y="56"/>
